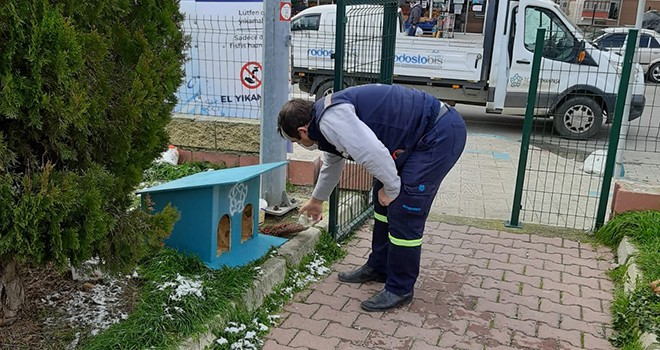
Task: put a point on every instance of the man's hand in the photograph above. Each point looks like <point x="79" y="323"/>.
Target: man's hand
<point x="313" y="208"/>
<point x="384" y="199"/>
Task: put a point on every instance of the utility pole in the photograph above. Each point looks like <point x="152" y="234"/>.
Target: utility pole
<point x="275" y="92"/>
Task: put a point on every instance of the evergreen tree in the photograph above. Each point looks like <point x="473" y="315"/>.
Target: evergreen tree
<point x="86" y="89"/>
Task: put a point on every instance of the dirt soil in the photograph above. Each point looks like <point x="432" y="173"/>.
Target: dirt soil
<point x="45" y="322"/>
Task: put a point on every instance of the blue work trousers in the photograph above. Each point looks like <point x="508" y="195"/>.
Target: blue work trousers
<point x="399" y="227"/>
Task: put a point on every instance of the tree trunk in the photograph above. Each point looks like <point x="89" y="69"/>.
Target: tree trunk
<point x="12" y="294"/>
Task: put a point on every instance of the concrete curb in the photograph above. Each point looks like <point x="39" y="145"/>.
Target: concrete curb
<point x="626" y="255"/>
<point x="273" y="273"/>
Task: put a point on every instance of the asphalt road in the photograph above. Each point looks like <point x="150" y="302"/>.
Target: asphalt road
<point x="642" y="142"/>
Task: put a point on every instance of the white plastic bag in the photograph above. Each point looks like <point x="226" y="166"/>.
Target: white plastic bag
<point x="262" y="213"/>
<point x="170" y="156"/>
<point x="595" y="162"/>
<point x="419" y="31"/>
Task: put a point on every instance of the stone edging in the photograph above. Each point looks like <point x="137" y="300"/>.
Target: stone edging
<point x="626" y="255"/>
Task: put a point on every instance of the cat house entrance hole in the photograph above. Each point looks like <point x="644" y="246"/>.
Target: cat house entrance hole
<point x="224" y="234"/>
<point x="248" y="223"/>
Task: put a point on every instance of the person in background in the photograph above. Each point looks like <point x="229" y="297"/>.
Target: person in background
<point x="408" y="141"/>
<point x="414" y="17"/>
<point x="298" y="6"/>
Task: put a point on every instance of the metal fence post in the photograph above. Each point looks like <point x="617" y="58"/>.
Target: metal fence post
<point x="527" y="128"/>
<point x="389" y="43"/>
<point x="340" y="39"/>
<point x="616" y="126"/>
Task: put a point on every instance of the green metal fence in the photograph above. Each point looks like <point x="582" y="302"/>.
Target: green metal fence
<point x="564" y="179"/>
<point x="364" y="53"/>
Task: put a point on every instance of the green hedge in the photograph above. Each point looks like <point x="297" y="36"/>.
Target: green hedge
<point x="86" y="89"/>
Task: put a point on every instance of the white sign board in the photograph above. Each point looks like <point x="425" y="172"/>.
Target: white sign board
<point x="224" y="72"/>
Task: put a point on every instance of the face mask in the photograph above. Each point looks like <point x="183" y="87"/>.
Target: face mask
<point x="313" y="147"/>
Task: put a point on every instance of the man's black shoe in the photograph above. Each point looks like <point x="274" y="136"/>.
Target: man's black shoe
<point x="361" y="275"/>
<point x="385" y="300"/>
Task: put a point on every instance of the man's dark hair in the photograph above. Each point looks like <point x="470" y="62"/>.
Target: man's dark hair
<point x="294" y="114"/>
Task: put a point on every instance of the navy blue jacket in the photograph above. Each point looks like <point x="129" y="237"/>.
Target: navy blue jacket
<point x="399" y="116"/>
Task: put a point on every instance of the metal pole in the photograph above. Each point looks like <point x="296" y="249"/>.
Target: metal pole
<point x="467" y="10"/>
<point x="338" y="84"/>
<point x="275" y="90"/>
<point x="619" y="173"/>
<point x="619" y="116"/>
<point x="389" y="42"/>
<point x="593" y="14"/>
<point x="527" y="128"/>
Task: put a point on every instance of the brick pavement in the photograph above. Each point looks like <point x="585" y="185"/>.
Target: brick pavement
<point x="478" y="289"/>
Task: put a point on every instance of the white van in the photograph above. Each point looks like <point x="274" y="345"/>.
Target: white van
<point x="579" y="82"/>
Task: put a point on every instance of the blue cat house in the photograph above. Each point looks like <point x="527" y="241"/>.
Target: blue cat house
<point x="219" y="215"/>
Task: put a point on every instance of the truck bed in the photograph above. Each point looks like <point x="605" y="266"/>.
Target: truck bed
<point x="439" y="58"/>
<point x="458" y="58"/>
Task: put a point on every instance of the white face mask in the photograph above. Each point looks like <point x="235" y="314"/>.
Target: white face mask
<point x="313" y="147"/>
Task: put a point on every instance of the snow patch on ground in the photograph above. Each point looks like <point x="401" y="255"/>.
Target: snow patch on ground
<point x="182" y="287"/>
<point x="96" y="306"/>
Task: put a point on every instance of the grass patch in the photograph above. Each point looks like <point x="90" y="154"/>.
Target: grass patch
<point x="179" y="295"/>
<point x="638" y="311"/>
<point x="245" y="329"/>
<point x="632" y="314"/>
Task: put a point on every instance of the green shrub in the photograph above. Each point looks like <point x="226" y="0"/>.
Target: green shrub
<point x="163" y="172"/>
<point x="86" y="89"/>
<point x="638" y="311"/>
<point x="640" y="225"/>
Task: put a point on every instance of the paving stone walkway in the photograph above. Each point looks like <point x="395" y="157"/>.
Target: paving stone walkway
<point x="478" y="289"/>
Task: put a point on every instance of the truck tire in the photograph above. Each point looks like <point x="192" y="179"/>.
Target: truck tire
<point x="324" y="89"/>
<point x="578" y="118"/>
<point x="654" y="73"/>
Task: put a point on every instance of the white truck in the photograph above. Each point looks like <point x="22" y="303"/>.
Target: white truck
<point x="578" y="81"/>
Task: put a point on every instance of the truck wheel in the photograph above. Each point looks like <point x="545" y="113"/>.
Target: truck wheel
<point x="654" y="73"/>
<point x="578" y="118"/>
<point x="324" y="90"/>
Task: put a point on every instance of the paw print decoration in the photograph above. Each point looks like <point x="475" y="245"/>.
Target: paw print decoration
<point x="516" y="80"/>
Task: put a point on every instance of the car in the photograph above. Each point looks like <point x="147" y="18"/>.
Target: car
<point x="614" y="39"/>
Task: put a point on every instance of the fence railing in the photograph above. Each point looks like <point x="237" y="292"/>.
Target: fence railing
<point x="563" y="176"/>
<point x="567" y="182"/>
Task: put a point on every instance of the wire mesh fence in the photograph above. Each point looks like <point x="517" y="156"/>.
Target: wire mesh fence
<point x="223" y="73"/>
<point x="640" y="140"/>
<point x="566" y="172"/>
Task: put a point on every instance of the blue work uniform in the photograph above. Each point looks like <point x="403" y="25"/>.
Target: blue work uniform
<point x="432" y="137"/>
